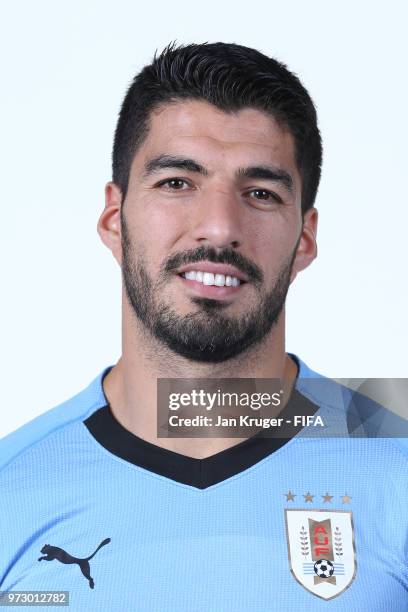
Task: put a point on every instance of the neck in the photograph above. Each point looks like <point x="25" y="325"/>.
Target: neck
<point x="131" y="385"/>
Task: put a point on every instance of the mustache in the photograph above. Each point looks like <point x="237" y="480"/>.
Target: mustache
<point x="207" y="253"/>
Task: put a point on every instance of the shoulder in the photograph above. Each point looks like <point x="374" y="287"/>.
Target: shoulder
<point x="53" y="421"/>
<point x="357" y="412"/>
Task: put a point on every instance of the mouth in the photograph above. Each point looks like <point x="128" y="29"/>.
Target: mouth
<point x="212" y="284"/>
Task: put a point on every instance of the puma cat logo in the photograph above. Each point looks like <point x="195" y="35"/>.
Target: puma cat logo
<point x="53" y="552"/>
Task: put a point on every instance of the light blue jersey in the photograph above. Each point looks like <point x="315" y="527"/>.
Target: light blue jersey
<point x="308" y="523"/>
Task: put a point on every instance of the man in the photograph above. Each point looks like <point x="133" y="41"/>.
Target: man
<point x="210" y="215"/>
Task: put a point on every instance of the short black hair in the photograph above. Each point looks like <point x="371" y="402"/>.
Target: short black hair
<point x="230" y="77"/>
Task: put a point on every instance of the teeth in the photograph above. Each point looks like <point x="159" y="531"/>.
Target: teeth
<point x="208" y="278"/>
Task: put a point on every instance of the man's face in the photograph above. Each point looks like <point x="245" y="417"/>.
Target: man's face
<point x="211" y="229"/>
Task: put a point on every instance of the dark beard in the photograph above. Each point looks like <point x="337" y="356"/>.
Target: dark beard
<point x="206" y="335"/>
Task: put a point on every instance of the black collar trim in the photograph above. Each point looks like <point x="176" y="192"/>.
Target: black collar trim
<point x="199" y="473"/>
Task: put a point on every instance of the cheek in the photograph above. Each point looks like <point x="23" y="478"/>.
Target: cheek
<point x="156" y="220"/>
<point x="154" y="235"/>
<point x="271" y="246"/>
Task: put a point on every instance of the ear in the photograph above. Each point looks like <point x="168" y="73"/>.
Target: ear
<point x="109" y="222"/>
<point x="306" y="251"/>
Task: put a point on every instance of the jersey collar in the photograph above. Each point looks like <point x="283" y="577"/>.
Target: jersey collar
<point x="199" y="473"/>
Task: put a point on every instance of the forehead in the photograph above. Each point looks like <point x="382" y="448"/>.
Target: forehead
<point x="216" y="138"/>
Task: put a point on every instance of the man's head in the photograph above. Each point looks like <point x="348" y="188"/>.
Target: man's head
<point x="231" y="77"/>
<point x="216" y="165"/>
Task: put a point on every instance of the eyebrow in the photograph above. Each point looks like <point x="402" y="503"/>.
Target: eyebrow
<point x="170" y="161"/>
<point x="269" y="173"/>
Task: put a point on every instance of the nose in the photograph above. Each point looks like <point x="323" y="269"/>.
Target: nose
<point x="219" y="220"/>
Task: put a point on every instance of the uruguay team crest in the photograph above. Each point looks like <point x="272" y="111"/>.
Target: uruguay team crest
<point x="321" y="550"/>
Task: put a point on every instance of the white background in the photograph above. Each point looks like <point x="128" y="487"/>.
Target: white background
<point x="65" y="68"/>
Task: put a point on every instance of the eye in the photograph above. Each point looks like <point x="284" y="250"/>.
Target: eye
<point x="173" y="184"/>
<point x="265" y="195"/>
